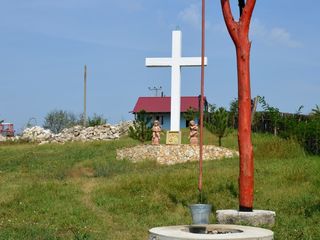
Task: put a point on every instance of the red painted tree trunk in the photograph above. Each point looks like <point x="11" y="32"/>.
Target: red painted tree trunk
<point x="239" y="33"/>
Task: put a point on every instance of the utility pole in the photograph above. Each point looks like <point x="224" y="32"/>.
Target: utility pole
<point x="155" y="89"/>
<point x="85" y="97"/>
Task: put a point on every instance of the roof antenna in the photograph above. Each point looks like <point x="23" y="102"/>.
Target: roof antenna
<point x="155" y="89"/>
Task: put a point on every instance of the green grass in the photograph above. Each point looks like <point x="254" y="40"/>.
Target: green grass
<point x="80" y="191"/>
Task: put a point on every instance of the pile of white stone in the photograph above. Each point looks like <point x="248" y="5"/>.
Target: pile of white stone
<point x="2" y="138"/>
<point x="36" y="134"/>
<point x="77" y="133"/>
<point x="173" y="154"/>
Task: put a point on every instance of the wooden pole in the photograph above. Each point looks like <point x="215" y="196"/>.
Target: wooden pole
<point x="85" y="97"/>
<point x="239" y="32"/>
<point x="201" y="97"/>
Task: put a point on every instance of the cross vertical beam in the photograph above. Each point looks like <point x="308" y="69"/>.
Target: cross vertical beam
<point x="176" y="81"/>
<point x="175" y="62"/>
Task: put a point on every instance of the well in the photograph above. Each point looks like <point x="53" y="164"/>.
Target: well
<point x="210" y="232"/>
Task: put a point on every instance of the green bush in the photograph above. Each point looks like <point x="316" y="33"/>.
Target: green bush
<point x="57" y="120"/>
<point x="309" y="136"/>
<point x="218" y="123"/>
<point x="141" y="129"/>
<point x="190" y="114"/>
<point x="96" y="120"/>
<point x="307" y="133"/>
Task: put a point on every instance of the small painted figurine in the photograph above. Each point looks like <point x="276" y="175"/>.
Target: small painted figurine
<point x="193" y="133"/>
<point x="156" y="130"/>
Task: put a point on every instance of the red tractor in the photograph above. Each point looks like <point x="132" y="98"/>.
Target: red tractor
<point x="6" y="129"/>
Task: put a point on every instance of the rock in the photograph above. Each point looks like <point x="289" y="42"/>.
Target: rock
<point x="36" y="134"/>
<point x="2" y="138"/>
<point x="172" y="154"/>
<point x="76" y="133"/>
<point x="254" y="218"/>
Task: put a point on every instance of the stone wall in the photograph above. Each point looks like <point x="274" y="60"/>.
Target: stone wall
<point x="172" y="154"/>
<point x="77" y="133"/>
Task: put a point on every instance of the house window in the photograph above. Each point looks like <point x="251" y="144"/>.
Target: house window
<point x="187" y="123"/>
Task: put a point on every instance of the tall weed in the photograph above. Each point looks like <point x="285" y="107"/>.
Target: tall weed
<point x="268" y="146"/>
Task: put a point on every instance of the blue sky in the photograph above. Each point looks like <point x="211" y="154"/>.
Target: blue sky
<point x="44" y="45"/>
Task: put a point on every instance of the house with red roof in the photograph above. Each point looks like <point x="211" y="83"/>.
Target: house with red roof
<point x="159" y="109"/>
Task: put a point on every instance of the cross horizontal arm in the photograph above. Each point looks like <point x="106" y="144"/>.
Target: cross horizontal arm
<point x="168" y="62"/>
<point x="191" y="61"/>
<point x="158" y="62"/>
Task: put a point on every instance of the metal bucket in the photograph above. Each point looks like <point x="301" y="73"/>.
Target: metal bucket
<point x="200" y="213"/>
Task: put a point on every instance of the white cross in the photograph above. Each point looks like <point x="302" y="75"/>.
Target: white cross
<point x="175" y="62"/>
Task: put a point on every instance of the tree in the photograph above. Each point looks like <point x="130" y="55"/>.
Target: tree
<point x="211" y="108"/>
<point x="190" y="114"/>
<point x="141" y="129"/>
<point x="315" y="112"/>
<point x="239" y="31"/>
<point x="96" y="120"/>
<point x="57" y="120"/>
<point x="272" y="114"/>
<point x="31" y="122"/>
<point x="233" y="111"/>
<point x="218" y="123"/>
<point x="208" y="111"/>
<point x="316" y="132"/>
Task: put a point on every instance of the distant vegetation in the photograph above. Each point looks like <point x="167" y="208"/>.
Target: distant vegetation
<point x="57" y="120"/>
<point x="96" y="120"/>
<point x="305" y="129"/>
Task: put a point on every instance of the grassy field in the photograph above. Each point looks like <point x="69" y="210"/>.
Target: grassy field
<point x="80" y="191"/>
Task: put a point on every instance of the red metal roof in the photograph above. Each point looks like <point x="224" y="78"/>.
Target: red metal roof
<point x="162" y="104"/>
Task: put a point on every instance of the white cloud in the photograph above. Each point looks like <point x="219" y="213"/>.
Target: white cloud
<point x="258" y="29"/>
<point x="273" y="36"/>
<point x="191" y="15"/>
<point x="282" y="36"/>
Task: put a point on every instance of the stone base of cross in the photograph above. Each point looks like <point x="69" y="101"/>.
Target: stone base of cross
<point x="173" y="138"/>
<point x="175" y="62"/>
